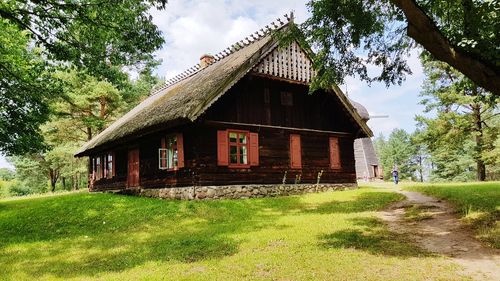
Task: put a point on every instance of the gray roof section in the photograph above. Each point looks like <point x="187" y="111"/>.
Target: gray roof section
<point x="365" y="157"/>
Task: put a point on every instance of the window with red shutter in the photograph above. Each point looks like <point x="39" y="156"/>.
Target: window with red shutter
<point x="238" y="148"/>
<point x="295" y="152"/>
<point x="98" y="168"/>
<point x="171" y="153"/>
<point x="334" y="153"/>
<point x="109" y="170"/>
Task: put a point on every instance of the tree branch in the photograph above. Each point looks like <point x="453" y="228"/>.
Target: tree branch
<point x="425" y="32"/>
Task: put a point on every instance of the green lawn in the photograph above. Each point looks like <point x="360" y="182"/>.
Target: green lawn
<point x="324" y="236"/>
<point x="477" y="203"/>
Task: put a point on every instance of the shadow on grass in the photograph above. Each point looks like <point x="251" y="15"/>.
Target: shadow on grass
<point x="371" y="236"/>
<point x="83" y="235"/>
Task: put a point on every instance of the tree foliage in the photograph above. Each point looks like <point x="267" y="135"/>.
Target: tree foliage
<point x="25" y="89"/>
<point x="39" y="38"/>
<point x="397" y="151"/>
<point x="351" y="35"/>
<point x="463" y="126"/>
<point x="86" y="107"/>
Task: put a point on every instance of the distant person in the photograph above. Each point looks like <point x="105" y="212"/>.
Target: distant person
<point x="395" y="175"/>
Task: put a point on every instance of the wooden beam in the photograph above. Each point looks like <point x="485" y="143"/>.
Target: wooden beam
<point x="272" y="77"/>
<point x="213" y="122"/>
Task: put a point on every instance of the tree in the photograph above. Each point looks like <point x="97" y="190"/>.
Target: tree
<point x="398" y="151"/>
<point x="464" y="113"/>
<point x="350" y="35"/>
<point x="87" y="104"/>
<point x="7" y="174"/>
<point x="25" y="89"/>
<point x="100" y="37"/>
<point x="420" y="158"/>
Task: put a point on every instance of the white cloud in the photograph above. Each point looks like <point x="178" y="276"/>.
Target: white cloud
<point x="4" y="163"/>
<point x="192" y="28"/>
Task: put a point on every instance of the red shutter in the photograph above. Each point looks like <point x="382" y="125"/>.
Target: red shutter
<point x="180" y="151"/>
<point x="334" y="153"/>
<point x="295" y="152"/>
<point x="254" y="149"/>
<point x="113" y="172"/>
<point x="222" y="148"/>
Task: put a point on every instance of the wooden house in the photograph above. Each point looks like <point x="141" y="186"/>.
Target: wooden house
<point x="242" y="123"/>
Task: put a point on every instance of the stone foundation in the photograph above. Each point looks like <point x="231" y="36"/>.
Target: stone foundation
<point x="238" y="191"/>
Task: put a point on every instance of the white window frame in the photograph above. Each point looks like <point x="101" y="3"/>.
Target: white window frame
<point x="175" y="156"/>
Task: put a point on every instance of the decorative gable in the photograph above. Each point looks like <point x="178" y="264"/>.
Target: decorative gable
<point x="290" y="63"/>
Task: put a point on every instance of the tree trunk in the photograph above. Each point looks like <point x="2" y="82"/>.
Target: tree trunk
<point x="53" y="174"/>
<point x="78" y="180"/>
<point x="102" y="111"/>
<point x="89" y="133"/>
<point x="478" y="128"/>
<point x="420" y="169"/>
<point x="63" y="180"/>
<point x="425" y="32"/>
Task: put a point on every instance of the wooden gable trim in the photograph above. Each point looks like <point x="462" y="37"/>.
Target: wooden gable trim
<point x="290" y="63"/>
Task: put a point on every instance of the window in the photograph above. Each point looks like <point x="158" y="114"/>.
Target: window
<point x="92" y="163"/>
<point x="98" y="168"/>
<point x="238" y="148"/>
<point x="110" y="172"/>
<point x="171" y="156"/>
<point x="286" y="99"/>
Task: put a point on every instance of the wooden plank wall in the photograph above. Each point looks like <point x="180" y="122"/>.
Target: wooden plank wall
<point x="246" y="103"/>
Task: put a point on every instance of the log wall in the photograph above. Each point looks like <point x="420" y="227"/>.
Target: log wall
<point x="254" y="100"/>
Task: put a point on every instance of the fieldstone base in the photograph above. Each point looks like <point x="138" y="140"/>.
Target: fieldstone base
<point x="239" y="191"/>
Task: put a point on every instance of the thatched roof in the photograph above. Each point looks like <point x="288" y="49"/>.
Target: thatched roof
<point x="185" y="97"/>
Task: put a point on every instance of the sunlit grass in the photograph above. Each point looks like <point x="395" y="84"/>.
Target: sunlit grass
<point x="324" y="236"/>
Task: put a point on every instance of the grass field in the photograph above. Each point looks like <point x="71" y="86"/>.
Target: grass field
<point x="477" y="203"/>
<point x="325" y="236"/>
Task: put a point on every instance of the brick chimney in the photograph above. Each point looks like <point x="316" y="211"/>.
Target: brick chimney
<point x="206" y="60"/>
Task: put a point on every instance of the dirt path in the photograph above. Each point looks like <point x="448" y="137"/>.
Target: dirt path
<point x="437" y="229"/>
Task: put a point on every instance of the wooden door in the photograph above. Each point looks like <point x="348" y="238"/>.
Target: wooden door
<point x="133" y="168"/>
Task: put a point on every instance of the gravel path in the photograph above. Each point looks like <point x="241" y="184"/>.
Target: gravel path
<point x="441" y="232"/>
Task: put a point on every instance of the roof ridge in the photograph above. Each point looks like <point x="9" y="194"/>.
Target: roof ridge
<point x="254" y="37"/>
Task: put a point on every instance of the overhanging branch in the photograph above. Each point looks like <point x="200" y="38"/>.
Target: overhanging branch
<point x="425" y="32"/>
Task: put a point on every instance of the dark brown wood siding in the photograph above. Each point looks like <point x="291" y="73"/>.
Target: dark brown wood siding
<point x="247" y="103"/>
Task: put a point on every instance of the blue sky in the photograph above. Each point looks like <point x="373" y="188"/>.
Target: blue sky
<point x="192" y="28"/>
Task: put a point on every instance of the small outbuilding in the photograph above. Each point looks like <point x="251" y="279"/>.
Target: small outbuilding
<point x="241" y="123"/>
<point x="367" y="163"/>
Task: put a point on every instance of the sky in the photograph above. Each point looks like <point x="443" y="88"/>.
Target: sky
<point x="193" y="28"/>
